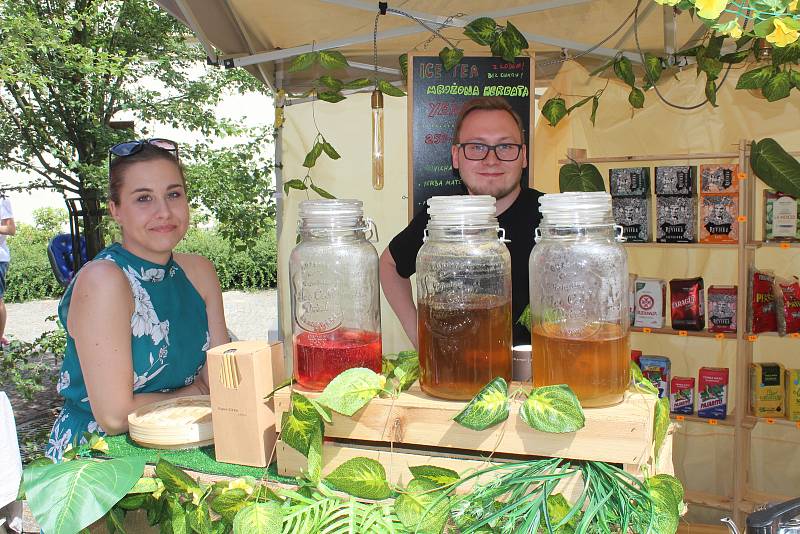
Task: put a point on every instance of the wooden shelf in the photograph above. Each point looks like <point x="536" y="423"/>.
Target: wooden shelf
<point x="761" y="244"/>
<point x="773" y="421"/>
<point x="685" y="333"/>
<point x="720" y="246"/>
<point x="649" y="158"/>
<point x="793" y="336"/>
<point x="728" y="421"/>
<point x="708" y="500"/>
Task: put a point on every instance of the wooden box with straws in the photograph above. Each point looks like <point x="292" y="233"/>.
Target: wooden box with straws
<point x="240" y="375"/>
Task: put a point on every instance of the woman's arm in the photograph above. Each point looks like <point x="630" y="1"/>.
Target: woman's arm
<point x="99" y="320"/>
<point x="203" y="276"/>
<point x="8" y="226"/>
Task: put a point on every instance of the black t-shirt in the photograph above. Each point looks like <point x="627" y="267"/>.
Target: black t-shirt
<point x="519" y="221"/>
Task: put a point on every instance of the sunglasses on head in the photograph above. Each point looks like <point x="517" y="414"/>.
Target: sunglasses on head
<point x="129" y="148"/>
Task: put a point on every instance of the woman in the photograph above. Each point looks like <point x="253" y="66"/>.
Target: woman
<point x="138" y="318"/>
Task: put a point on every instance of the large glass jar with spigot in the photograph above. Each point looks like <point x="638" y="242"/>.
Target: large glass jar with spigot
<point x="463" y="297"/>
<point x="333" y="272"/>
<point x="579" y="299"/>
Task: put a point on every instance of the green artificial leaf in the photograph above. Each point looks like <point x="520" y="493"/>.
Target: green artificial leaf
<point x="407" y="372"/>
<point x="323" y="411"/>
<point x="786" y="54"/>
<point x="711" y="92"/>
<point x="652" y="68"/>
<point x="756" y="78"/>
<point x="690" y="52"/>
<point x="349" y="391"/>
<point x="297" y="424"/>
<point x="294" y="184"/>
<point x="710" y="65"/>
<point x="554" y="110"/>
<point x="482" y="30"/>
<point x="714" y="46"/>
<point x="361" y="477"/>
<point x="795" y="77"/>
<point x="403" y="59"/>
<point x="558" y="508"/>
<point x="422" y="507"/>
<point x="329" y="150"/>
<point x="146" y="485"/>
<point x="330" y="96"/>
<point x="666" y="509"/>
<point x="450" y="57"/>
<point x="331" y="59"/>
<point x="389" y="89"/>
<point x="321" y="192"/>
<point x="331" y="82"/>
<point x="520" y="43"/>
<point x="735" y="57"/>
<point x="525" y="318"/>
<point x="660" y="424"/>
<point x="313" y="154"/>
<point x="358" y="83"/>
<point x="602" y="68"/>
<point x="777" y="87"/>
<point x="174" y="478"/>
<point x="261" y="517"/>
<point x="743" y="40"/>
<point x="636" y="98"/>
<point x="219" y="527"/>
<point x="770" y="6"/>
<point x="228" y="503"/>
<point x="133" y="501"/>
<point x="776" y="167"/>
<point x="576" y="177"/>
<point x="486" y="409"/>
<point x="75" y="507"/>
<point x="553" y="409"/>
<point x="579" y="103"/>
<point x="115" y="521"/>
<point x="303" y="61"/>
<point x="438" y="475"/>
<point x="640" y="383"/>
<point x="288" y="381"/>
<point x="624" y="70"/>
<point x="670" y="481"/>
<point x="764" y="28"/>
<point x="595" y="104"/>
<point x="198" y="519"/>
<point x="315" y="456"/>
<point x="505" y="46"/>
<point x="176" y="516"/>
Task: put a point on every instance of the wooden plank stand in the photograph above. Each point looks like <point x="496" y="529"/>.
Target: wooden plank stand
<point x="415" y="429"/>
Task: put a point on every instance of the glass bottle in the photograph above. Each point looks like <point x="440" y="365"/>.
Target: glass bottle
<point x="333" y="272"/>
<point x="579" y="299"/>
<point x="463" y="297"/>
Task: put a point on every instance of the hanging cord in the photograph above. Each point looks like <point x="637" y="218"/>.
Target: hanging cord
<point x="375" y="47"/>
<point x="422" y="23"/>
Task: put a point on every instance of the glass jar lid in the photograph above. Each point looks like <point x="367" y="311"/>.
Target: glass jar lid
<point x="462" y="210"/>
<point x="576" y="209"/>
<point x="335" y="213"/>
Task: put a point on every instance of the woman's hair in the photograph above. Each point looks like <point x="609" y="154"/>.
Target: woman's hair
<point x="119" y="164"/>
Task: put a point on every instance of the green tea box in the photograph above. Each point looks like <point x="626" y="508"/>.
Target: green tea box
<point x="793" y="394"/>
<point x="767" y="390"/>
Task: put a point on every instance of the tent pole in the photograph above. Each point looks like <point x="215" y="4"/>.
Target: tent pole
<point x="279" y="199"/>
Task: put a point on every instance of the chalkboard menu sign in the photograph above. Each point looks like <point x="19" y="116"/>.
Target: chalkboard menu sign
<point x="435" y="97"/>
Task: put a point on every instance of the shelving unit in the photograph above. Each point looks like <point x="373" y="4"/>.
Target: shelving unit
<point x="744" y="499"/>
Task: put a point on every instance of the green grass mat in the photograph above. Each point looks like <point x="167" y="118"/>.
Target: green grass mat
<point x="200" y="459"/>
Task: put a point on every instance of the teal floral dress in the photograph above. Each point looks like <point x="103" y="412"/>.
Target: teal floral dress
<point x="169" y="337"/>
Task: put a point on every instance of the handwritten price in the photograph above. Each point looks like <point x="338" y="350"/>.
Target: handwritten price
<point x="437" y="139"/>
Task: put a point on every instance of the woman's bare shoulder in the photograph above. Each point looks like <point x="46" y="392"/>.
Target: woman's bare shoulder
<point x="200" y="271"/>
<point x="104" y="275"/>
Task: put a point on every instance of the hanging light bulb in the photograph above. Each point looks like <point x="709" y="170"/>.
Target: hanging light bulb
<point x="377" y="140"/>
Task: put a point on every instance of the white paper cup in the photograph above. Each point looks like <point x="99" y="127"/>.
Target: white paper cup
<point x="521" y="363"/>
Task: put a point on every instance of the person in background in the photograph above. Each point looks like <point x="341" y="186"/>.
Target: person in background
<point x="489" y="154"/>
<point x="7" y="228"/>
<point x="139" y="318"/>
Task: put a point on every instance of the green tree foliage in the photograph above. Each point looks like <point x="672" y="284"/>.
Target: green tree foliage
<point x="69" y="68"/>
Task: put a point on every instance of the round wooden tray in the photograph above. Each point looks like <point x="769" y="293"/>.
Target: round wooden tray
<point x="179" y="423"/>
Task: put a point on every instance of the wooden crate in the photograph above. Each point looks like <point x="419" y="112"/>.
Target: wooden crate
<point x="415" y="429"/>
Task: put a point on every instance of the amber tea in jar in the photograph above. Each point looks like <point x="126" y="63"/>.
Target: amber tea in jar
<point x="579" y="299"/>
<point x="464" y="298"/>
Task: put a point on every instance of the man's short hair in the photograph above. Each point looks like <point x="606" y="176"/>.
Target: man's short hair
<point x="487" y="103"/>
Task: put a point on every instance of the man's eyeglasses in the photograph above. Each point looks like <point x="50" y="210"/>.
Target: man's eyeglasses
<point x="129" y="148"/>
<point x="479" y="151"/>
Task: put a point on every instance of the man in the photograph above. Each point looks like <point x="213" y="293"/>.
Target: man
<point x="484" y="127"/>
<point x="7" y="228"/>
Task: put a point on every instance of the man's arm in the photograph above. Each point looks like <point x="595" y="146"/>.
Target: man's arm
<point x="8" y="227"/>
<point x="398" y="293"/>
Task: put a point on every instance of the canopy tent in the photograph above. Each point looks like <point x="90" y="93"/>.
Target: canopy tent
<point x="264" y="35"/>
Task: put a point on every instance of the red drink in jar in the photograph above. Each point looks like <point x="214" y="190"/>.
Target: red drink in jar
<point x="319" y="358"/>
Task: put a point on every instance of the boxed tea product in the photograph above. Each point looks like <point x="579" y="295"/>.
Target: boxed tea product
<point x="781" y="216"/>
<point x="240" y="375"/>
<point x="657" y="370"/>
<point x="633" y="214"/>
<point x="719" y="178"/>
<point x="767" y="389"/>
<point x="676" y="219"/>
<point x="676" y="180"/>
<point x="722" y="309"/>
<point x="681" y="395"/>
<point x="687" y="303"/>
<point x="712" y="392"/>
<point x="718" y="219"/>
<point x="787" y="304"/>
<point x="761" y="314"/>
<point x="650" y="303"/>
<point x="793" y="394"/>
<point x="629" y="182"/>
